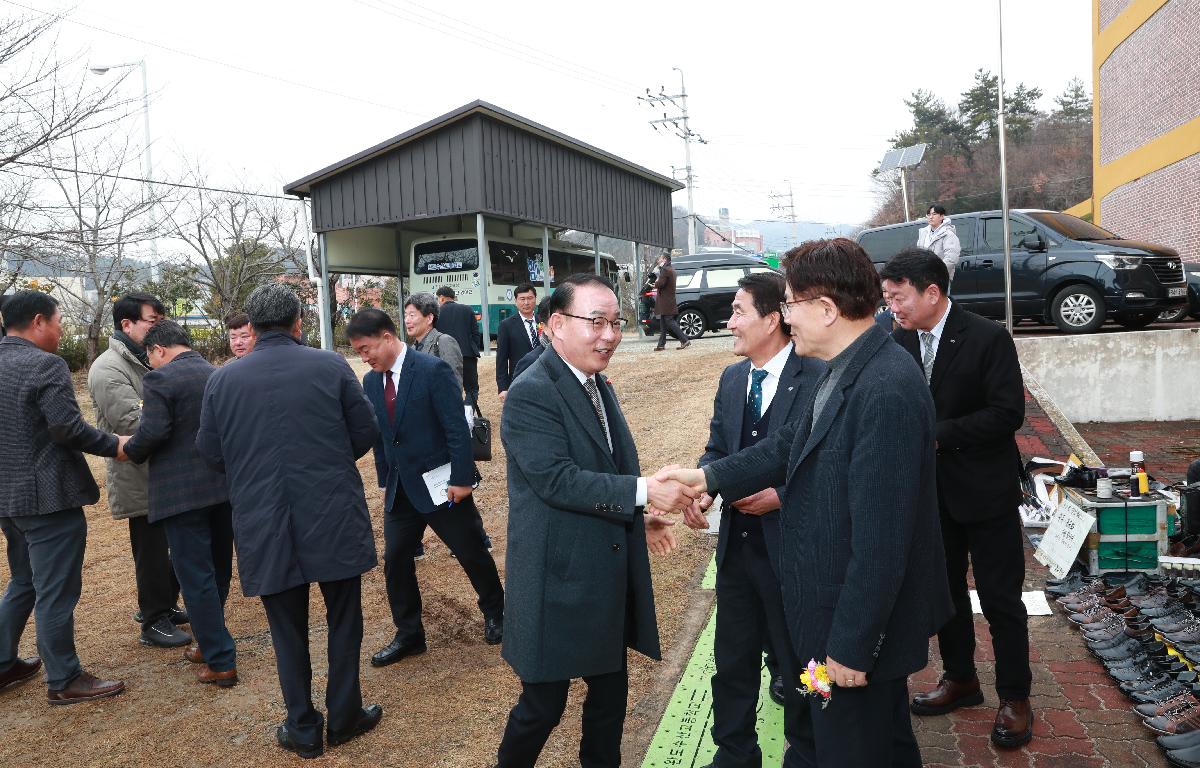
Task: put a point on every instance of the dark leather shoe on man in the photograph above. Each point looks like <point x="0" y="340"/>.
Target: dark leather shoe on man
<point x="685" y="345"/>
<point x="396" y="650"/>
<point x="307" y="751"/>
<point x="177" y="615"/>
<point x="85" y="687"/>
<point x="368" y="718"/>
<point x="19" y="672"/>
<point x="1014" y="724"/>
<point x="164" y="634"/>
<point x="493" y="630"/>
<point x="947" y="697"/>
<point x="226" y="679"/>
<point x="776" y="690"/>
<point x="192" y="653"/>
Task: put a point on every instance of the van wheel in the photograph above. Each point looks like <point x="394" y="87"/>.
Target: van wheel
<point x="1177" y="315"/>
<point x="691" y="323"/>
<point x="1078" y="308"/>
<point x="1136" y="321"/>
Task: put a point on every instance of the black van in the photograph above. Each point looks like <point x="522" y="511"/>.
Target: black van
<point x="1065" y="271"/>
<point x="704" y="287"/>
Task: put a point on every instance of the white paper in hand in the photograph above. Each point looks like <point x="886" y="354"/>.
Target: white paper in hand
<point x="437" y="480"/>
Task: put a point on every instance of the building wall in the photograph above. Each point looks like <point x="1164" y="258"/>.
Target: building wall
<point x="1146" y="145"/>
<point x="1162" y="207"/>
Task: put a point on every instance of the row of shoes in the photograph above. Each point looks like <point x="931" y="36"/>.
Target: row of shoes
<point x="1145" y="630"/>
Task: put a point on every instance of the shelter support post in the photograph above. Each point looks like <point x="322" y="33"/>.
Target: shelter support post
<point x="546" y="260"/>
<point x="596" y="251"/>
<point x="485" y="260"/>
<point x="637" y="287"/>
<point x="323" y="295"/>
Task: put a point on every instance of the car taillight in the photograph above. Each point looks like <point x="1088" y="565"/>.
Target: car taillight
<point x="651" y="293"/>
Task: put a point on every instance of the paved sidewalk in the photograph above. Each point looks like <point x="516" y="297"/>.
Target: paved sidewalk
<point x="1169" y="445"/>
<point x="1082" y="719"/>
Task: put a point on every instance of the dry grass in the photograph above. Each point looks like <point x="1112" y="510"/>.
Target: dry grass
<point x="445" y="708"/>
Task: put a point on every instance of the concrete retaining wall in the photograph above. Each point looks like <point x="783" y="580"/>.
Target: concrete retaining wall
<point x="1142" y="376"/>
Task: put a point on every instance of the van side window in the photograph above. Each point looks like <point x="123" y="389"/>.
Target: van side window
<point x="886" y="243"/>
<point x="993" y="236"/>
<point x="724" y="278"/>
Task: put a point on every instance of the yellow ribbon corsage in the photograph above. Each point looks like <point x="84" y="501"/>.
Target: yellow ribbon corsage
<point x="814" y="681"/>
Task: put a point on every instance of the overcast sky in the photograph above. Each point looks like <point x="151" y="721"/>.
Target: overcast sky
<point x="266" y="92"/>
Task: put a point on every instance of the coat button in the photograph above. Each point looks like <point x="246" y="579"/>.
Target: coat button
<point x="754" y="433"/>
<point x="745" y="534"/>
<point x="616" y="547"/>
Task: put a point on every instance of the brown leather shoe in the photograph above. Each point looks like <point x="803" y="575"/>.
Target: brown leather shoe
<point x="684" y="345"/>
<point x="947" y="697"/>
<point x="1014" y="724"/>
<point x="85" y="688"/>
<point x="227" y="679"/>
<point x="19" y="672"/>
<point x="192" y="653"/>
<point x="1176" y="721"/>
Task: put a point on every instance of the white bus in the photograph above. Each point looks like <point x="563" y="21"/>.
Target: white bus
<point x="453" y="260"/>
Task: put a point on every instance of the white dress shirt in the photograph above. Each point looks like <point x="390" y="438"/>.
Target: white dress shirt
<point x="642" y="492"/>
<point x="774" y="369"/>
<point x="936" y="331"/>
<point x="396" y="366"/>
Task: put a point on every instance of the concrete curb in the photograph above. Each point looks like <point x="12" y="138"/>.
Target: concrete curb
<point x="1078" y="445"/>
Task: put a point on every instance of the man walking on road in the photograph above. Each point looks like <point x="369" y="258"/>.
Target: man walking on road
<point x="664" y="304"/>
<point x="44" y="484"/>
<point x="973" y="373"/>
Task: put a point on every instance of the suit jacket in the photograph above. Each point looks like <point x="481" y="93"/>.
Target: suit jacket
<point x="443" y="346"/>
<point x="180" y="481"/>
<point x="286" y="425"/>
<point x="796" y="387"/>
<point x="43" y="435"/>
<point x="664" y="284"/>
<point x="980" y="400"/>
<point x="512" y="343"/>
<point x="458" y="320"/>
<point x="529" y="359"/>
<point x="578" y="588"/>
<point x="862" y="569"/>
<point x="430" y="430"/>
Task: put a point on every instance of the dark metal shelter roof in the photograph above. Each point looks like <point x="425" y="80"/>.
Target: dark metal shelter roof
<point x="480" y="158"/>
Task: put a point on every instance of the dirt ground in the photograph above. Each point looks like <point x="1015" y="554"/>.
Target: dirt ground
<point x="445" y="708"/>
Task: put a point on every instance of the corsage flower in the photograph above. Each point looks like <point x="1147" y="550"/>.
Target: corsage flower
<point x="814" y="681"/>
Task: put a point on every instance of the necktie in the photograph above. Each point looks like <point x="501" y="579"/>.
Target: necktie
<point x="389" y="397"/>
<point x="927" y="356"/>
<point x="756" y="382"/>
<point x="590" y="385"/>
<point x="532" y="333"/>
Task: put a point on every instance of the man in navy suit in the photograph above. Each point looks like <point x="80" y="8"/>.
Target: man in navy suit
<point x="422" y="427"/>
<point x="769" y="388"/>
<point x="861" y="567"/>
<point x="458" y="320"/>
<point x="516" y="337"/>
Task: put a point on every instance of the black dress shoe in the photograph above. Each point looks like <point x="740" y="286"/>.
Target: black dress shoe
<point x="307" y="751"/>
<point x="776" y="689"/>
<point x="493" y="630"/>
<point x="164" y="634"/>
<point x="396" y="650"/>
<point x="368" y="718"/>
<point x="177" y="615"/>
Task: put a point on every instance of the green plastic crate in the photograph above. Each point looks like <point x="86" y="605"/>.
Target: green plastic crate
<point x="1127" y="554"/>
<point x="1143" y="519"/>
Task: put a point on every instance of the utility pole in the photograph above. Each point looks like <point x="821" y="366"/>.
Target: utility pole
<point x="678" y="125"/>
<point x="788" y="211"/>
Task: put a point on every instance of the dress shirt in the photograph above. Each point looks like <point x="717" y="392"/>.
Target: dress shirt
<point x="396" y="366"/>
<point x="642" y="492"/>
<point x="774" y="369"/>
<point x="525" y="326"/>
<point x="937" y="330"/>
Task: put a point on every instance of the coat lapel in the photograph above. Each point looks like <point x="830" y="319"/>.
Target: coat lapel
<point x="785" y="393"/>
<point x="624" y="451"/>
<point x="735" y="403"/>
<point x="948" y="346"/>
<point x="578" y="402"/>
<point x="403" y="387"/>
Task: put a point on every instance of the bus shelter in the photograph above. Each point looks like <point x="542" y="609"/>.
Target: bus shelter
<point x="476" y="193"/>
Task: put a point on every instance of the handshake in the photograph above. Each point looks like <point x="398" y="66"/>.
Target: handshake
<point x="121" y="440"/>
<point x="675" y="489"/>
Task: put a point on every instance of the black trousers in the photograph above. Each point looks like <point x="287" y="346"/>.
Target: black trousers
<point x="202" y="550"/>
<point x="540" y="707"/>
<point x="860" y="727"/>
<point x="669" y="324"/>
<point x="157" y="587"/>
<point x="995" y="553"/>
<point x="461" y="528"/>
<point x="471" y="379"/>
<point x="287" y="615"/>
<point x="749" y="618"/>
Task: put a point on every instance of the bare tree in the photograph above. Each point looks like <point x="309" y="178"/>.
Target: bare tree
<point x="15" y="239"/>
<point x="92" y="222"/>
<point x="43" y="98"/>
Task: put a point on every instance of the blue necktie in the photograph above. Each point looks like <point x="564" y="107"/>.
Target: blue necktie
<point x="756" y="380"/>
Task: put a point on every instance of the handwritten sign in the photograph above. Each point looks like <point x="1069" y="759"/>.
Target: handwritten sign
<point x="1068" y="529"/>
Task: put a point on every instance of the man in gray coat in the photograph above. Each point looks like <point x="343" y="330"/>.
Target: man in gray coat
<point x="286" y="425"/>
<point x="44" y="484"/>
<point x="578" y="591"/>
<point x="115" y="383"/>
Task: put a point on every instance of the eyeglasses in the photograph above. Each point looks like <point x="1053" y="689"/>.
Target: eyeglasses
<point x="597" y="323"/>
<point x="784" y="308"/>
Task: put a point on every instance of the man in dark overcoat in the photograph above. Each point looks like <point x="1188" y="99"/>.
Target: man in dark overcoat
<point x="664" y="304"/>
<point x="286" y="424"/>
<point x="578" y="590"/>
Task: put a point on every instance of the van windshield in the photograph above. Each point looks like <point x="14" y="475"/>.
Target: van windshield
<point x="1071" y="227"/>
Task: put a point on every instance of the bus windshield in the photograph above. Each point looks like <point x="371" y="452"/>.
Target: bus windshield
<point x="445" y="256"/>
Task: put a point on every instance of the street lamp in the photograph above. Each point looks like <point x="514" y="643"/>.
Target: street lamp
<point x="147" y="163"/>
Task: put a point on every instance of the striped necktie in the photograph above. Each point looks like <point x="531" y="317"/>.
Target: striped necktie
<point x="928" y="356"/>
<point x="590" y="385"/>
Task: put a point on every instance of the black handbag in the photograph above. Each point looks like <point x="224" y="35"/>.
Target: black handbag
<point x="481" y="437"/>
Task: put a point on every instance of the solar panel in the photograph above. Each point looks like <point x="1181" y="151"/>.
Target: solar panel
<point x="912" y="155"/>
<point x="891" y="160"/>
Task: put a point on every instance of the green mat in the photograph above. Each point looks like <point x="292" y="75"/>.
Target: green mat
<point x="684" y="738"/>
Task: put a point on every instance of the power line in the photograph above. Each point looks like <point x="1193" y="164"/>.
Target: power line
<point x="173" y="184"/>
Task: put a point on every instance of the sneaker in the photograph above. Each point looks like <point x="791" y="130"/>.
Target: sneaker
<point x="419" y="553"/>
<point x="177" y="615"/>
<point x="164" y="634"/>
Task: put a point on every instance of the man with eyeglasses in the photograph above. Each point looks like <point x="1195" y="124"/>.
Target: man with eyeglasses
<point x="578" y="574"/>
<point x="115" y="383"/>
